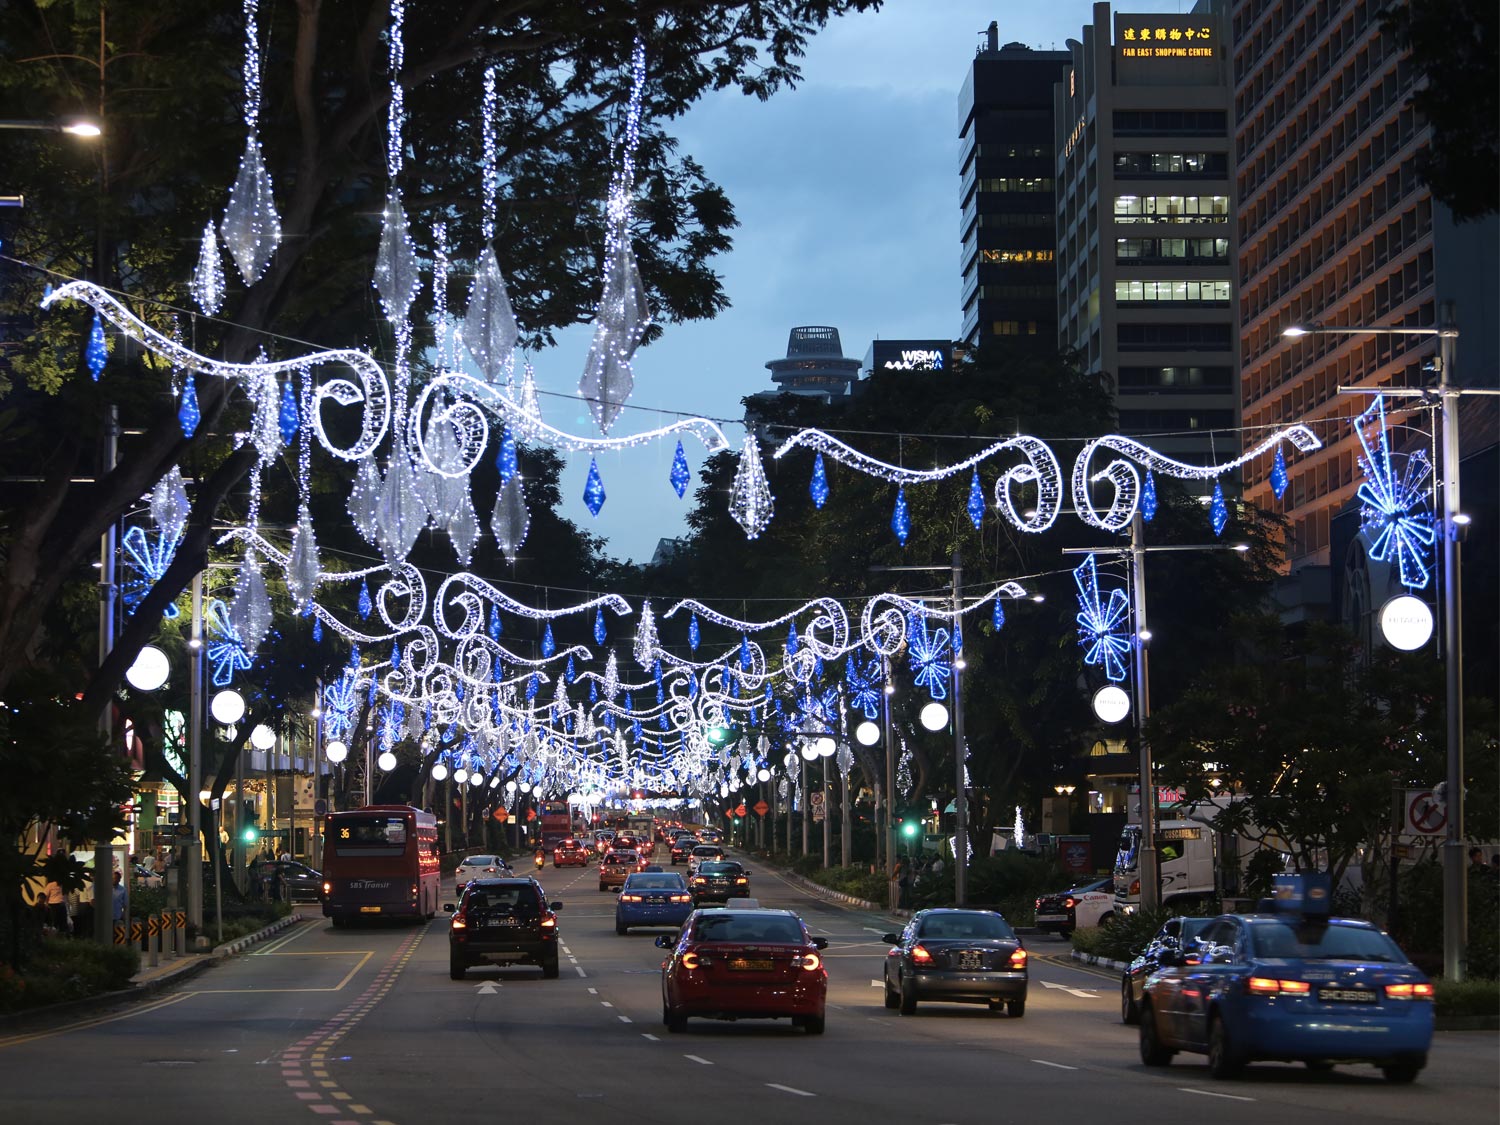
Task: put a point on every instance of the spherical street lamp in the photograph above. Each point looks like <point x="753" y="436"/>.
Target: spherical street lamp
<point x="867" y="733"/>
<point x="762" y="774"/>
<point x="262" y="737"/>
<point x="439" y="771"/>
<point x="809" y="752"/>
<point x="336" y="751"/>
<point x="825" y="746"/>
<point x="1111" y="704"/>
<point x="460" y="775"/>
<point x="934" y="716"/>
<point x="227" y="707"/>
<point x="386" y="761"/>
<point x="150" y="669"/>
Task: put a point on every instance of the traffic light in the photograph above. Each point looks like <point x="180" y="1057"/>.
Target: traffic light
<point x="719" y="735"/>
<point x="250" y="833"/>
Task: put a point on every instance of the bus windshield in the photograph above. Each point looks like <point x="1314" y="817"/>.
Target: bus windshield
<point x="356" y="833"/>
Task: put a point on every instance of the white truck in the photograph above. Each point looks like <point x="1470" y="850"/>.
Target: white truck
<point x="1184" y="855"/>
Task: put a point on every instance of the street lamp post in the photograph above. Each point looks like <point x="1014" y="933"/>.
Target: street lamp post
<point x="1455" y="877"/>
<point x="1135" y="553"/>
<point x="890" y="780"/>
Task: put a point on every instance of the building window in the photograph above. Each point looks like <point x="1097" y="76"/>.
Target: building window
<point x="1174" y="292"/>
<point x="1145" y="164"/>
<point x="1171" y="249"/>
<point x="1016" y="183"/>
<point x="1154" y="380"/>
<point x="1013" y="328"/>
<point x="1173" y="337"/>
<point x="1015" y="257"/>
<point x="1175" y="421"/>
<point x="1171" y="208"/>
<point x="1171" y="122"/>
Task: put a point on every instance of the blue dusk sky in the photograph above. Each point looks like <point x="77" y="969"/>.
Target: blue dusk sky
<point x="846" y="190"/>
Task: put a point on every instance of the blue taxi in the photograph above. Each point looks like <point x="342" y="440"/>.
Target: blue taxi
<point x="652" y="898"/>
<point x="1292" y="985"/>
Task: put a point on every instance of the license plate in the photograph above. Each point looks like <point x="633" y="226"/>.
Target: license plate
<point x="1357" y="995"/>
<point x="1051" y="917"/>
<point x="970" y="960"/>
<point x="501" y="922"/>
<point x="741" y="964"/>
<point x="369" y="910"/>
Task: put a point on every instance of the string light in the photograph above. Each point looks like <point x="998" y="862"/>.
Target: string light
<point x="1394" y="512"/>
<point x="751" y="504"/>
<point x="1100" y="623"/>
<point x="251" y="226"/>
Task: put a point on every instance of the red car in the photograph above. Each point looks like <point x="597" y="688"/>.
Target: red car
<point x="570" y="853"/>
<point x="744" y="964"/>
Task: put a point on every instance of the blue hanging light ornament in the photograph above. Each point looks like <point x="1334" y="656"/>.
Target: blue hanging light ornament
<point x="287" y="418"/>
<point x="901" y="518"/>
<point x="791" y="639"/>
<point x="593" y="488"/>
<point x="1278" y="474"/>
<point x="396" y="655"/>
<point x="819" y="485"/>
<point x="1218" y="511"/>
<point x="533" y="682"/>
<point x="365" y="605"/>
<point x="317" y="630"/>
<point x="549" y="646"/>
<point x="680" y="475"/>
<point x="570" y="673"/>
<point x="1148" y="497"/>
<point x="745" y="653"/>
<point x="188" y="414"/>
<point x="997" y="618"/>
<point x="495" y="623"/>
<point x="599" y="632"/>
<point x="975" y="506"/>
<point x="505" y="459"/>
<point x="693" y="635"/>
<point x="95" y="354"/>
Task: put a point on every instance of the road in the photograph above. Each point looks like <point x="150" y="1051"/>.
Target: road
<point x="365" y="1026"/>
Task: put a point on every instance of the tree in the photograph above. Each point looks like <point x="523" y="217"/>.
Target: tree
<point x="60" y="777"/>
<point x="1309" y="734"/>
<point x="1454" y="46"/>
<point x="131" y="219"/>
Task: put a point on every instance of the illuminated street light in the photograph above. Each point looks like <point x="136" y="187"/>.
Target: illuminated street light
<point x="934" y="716"/>
<point x="262" y="737"/>
<point x="336" y="751"/>
<point x="227" y="707"/>
<point x="150" y="670"/>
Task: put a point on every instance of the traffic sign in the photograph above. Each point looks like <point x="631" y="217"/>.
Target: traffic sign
<point x="501" y="814"/>
<point x="137" y="930"/>
<point x="740" y="809"/>
<point x="320" y="807"/>
<point x="761" y="808"/>
<point x="119" y="933"/>
<point x="179" y="921"/>
<point x="817" y="806"/>
<point x="1425" y="814"/>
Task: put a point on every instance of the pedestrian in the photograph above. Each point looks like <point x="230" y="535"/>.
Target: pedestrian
<point x="277" y="884"/>
<point x="936" y="871"/>
<point x="903" y="885"/>
<point x="54" y="907"/>
<point x="117" y="899"/>
<point x="1476" y="859"/>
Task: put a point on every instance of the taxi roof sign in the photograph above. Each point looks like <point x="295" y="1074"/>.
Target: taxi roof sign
<point x="1307" y="893"/>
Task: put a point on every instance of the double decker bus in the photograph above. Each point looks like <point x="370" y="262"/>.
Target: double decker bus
<point x="380" y="861"/>
<point x="556" y="823"/>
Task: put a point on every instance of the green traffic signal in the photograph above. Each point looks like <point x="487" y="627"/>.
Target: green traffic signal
<point x="909" y="828"/>
<point x="250" y="833"/>
<point x="719" y="735"/>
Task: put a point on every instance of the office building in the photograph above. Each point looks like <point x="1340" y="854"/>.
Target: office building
<point x="1145" y="241"/>
<point x="1005" y="196"/>
<point x="814" y="365"/>
<point x="1336" y="229"/>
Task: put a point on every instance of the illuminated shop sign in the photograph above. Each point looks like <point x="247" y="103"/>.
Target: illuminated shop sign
<point x="1166" y="41"/>
<point x="910" y="355"/>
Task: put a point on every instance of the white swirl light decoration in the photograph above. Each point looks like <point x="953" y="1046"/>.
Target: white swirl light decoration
<point x="1127" y="480"/>
<point x="470" y="400"/>
<point x="1041" y="468"/>
<point x="830" y="618"/>
<point x="373" y="390"/>
<point x="478" y="587"/>
<point x="883" y="622"/>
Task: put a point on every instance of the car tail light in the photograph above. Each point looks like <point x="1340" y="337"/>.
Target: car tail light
<point x="549" y="921"/>
<point x="810" y="961"/>
<point x="1408" y="991"/>
<point x="682" y="898"/>
<point x="742" y="879"/>
<point x="460" y="922"/>
<point x="328" y="888"/>
<point x="1135" y="887"/>
<point x="1018" y="959"/>
<point x="692" y="961"/>
<point x="920" y="955"/>
<point x="1268" y="986"/>
<point x="632" y="898"/>
<point x="1070" y="902"/>
<point x="1038" y="904"/>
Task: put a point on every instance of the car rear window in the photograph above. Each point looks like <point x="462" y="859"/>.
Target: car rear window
<point x="759" y="927"/>
<point x="617" y="858"/>
<point x="708" y="851"/>
<point x="480" y="861"/>
<point x="723" y="868"/>
<point x="989" y="927"/>
<point x="518" y="899"/>
<point x="1353" y="943"/>
<point x="663" y="882"/>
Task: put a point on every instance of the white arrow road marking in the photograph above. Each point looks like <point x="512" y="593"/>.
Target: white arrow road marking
<point x="1081" y="993"/>
<point x="488" y="988"/>
<point x="791" y="1090"/>
<point x="877" y="984"/>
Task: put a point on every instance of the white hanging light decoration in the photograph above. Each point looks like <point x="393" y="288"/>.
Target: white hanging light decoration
<point x="750" y="501"/>
<point x="622" y="318"/>
<point x="169" y="504"/>
<point x="510" y="521"/>
<point x="250" y="613"/>
<point x="207" y="285"/>
<point x="490" y="332"/>
<point x="251" y="226"/>
<point x="439" y="771"/>
<point x="645" y="638"/>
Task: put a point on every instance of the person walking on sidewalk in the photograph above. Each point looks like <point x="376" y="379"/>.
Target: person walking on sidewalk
<point x="117" y="899"/>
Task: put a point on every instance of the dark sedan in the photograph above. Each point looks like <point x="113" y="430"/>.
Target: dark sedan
<point x="957" y="956"/>
<point x="719" y="881"/>
<point x="1176" y="943"/>
<point x="299" y="882"/>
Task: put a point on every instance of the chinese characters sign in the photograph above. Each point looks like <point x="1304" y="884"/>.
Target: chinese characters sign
<point x="1163" y="41"/>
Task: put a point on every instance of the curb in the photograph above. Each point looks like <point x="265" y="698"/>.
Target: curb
<point x="250" y="939"/>
<point x="829" y="895"/>
<point x="1467" y="1023"/>
<point x="1095" y="959"/>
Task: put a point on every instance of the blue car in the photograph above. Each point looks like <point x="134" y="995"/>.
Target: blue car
<point x="652" y="898"/>
<point x="1292" y="985"/>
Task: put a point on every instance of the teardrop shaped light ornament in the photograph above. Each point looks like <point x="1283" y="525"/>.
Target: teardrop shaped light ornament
<point x="489" y="329"/>
<point x="1148" y="497"/>
<point x="251" y="227"/>
<point x="207" y="285"/>
<point x="1278" y="474"/>
<point x="593" y="489"/>
<point x="680" y="475"/>
<point x="975" y="506"/>
<point x="900" y="517"/>
<point x="95" y="353"/>
<point x="302" y="568"/>
<point x="188" y="414"/>
<point x="1218" y="511"/>
<point x="751" y="504"/>
<point x="511" y="520"/>
<point x="396" y="271"/>
<point x="287" y="416"/>
<point x="818" y="487"/>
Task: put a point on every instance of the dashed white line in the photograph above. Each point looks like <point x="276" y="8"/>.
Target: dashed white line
<point x="606" y="1003"/>
<point x="593" y="992"/>
<point x="791" y="1090"/>
<point x="1215" y="1094"/>
<point x="1059" y="1066"/>
<point x="626" y="1019"/>
<point x="579" y="970"/>
<point x="648" y="1035"/>
<point x="698" y="1059"/>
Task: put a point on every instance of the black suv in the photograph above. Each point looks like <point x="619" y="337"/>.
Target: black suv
<point x="502" y="922"/>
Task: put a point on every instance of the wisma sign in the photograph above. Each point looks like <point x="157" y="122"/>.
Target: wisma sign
<point x="910" y="355"/>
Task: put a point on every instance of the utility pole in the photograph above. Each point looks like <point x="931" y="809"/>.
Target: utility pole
<point x="890" y="782"/>
<point x="1150" y="877"/>
<point x="104" y="852"/>
<point x="960" y="784"/>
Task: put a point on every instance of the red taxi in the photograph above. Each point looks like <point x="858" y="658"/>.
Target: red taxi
<point x="570" y="853"/>
<point x="734" y="964"/>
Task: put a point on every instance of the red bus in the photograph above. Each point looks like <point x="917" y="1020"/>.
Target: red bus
<point x="556" y="823"/>
<point x="380" y="861"/>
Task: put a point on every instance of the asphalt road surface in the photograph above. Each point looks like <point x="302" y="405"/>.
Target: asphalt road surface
<point x="364" y="1025"/>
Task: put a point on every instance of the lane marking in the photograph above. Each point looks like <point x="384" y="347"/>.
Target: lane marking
<point x="593" y="992"/>
<point x="606" y="1003"/>
<point x="791" y="1090"/>
<point x="648" y="1035"/>
<point x="336" y="988"/>
<point x="1081" y="993"/>
<point x="145" y="1009"/>
<point x="579" y="970"/>
<point x="1059" y="1066"/>
<point x="698" y="1059"/>
<point x="1215" y="1094"/>
<point x="626" y="1019"/>
<point x="297" y="930"/>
